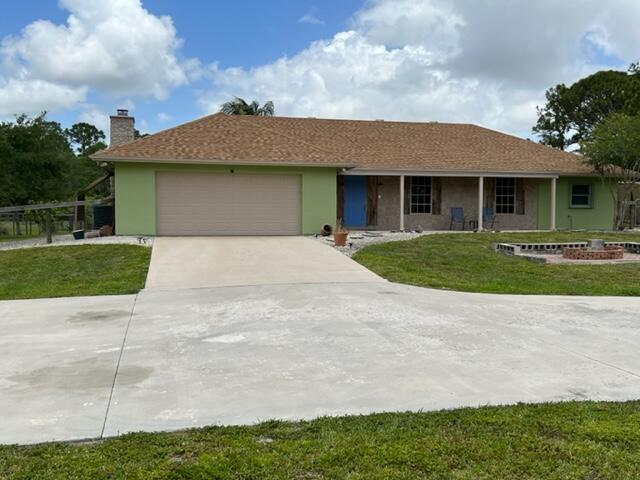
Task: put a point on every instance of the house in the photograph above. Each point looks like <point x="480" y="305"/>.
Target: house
<point x="246" y="175"/>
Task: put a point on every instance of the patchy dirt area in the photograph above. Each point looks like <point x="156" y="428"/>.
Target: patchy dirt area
<point x="59" y="240"/>
<point x="358" y="240"/>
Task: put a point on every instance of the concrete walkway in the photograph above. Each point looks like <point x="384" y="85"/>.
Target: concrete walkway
<point x="201" y="262"/>
<point x="244" y="354"/>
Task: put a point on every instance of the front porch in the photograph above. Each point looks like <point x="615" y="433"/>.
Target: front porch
<point x="425" y="201"/>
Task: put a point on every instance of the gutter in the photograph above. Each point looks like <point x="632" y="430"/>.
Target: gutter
<point x="463" y="173"/>
<point x="253" y="163"/>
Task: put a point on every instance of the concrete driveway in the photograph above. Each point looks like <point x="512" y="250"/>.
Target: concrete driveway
<point x="244" y="354"/>
<point x="199" y="262"/>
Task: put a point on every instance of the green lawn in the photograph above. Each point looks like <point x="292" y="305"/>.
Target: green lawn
<point x="6" y="232"/>
<point x="468" y="263"/>
<point x="576" y="440"/>
<point x="75" y="270"/>
<point x="13" y="238"/>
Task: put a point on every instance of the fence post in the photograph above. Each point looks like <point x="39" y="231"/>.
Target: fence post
<point x="49" y="225"/>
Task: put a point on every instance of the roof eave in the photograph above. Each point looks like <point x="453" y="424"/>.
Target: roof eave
<point x="188" y="161"/>
<point x="467" y="173"/>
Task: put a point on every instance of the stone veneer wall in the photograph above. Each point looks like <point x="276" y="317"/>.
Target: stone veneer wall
<point x="456" y="192"/>
<point x="122" y="130"/>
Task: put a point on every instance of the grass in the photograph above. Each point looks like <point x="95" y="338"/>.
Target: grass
<point x="12" y="238"/>
<point x="6" y="232"/>
<point x="467" y="262"/>
<point x="574" y="440"/>
<point x="69" y="271"/>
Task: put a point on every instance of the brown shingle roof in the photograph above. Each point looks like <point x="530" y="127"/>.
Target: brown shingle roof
<point x="367" y="145"/>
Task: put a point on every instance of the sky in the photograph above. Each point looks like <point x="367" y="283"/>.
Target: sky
<point x="487" y="62"/>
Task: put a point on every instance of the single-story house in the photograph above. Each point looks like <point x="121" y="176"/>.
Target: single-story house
<point x="248" y="175"/>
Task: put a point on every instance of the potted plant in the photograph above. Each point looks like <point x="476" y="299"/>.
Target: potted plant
<point x="340" y="235"/>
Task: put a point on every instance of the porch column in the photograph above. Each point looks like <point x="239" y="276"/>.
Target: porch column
<point x="402" y="203"/>
<point x="552" y="222"/>
<point x="480" y="201"/>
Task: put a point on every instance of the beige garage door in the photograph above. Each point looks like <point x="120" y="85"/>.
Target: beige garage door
<point x="227" y="204"/>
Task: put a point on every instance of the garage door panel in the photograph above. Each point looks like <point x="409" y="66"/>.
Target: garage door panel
<point x="227" y="204"/>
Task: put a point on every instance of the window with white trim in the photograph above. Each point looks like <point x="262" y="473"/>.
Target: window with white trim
<point x="505" y="195"/>
<point x="581" y="195"/>
<point x="420" y="194"/>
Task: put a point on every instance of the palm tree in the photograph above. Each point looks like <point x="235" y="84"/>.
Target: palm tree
<point x="239" y="106"/>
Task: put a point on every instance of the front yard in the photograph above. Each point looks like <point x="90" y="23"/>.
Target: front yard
<point x="69" y="271"/>
<point x="467" y="262"/>
<point x="576" y="440"/>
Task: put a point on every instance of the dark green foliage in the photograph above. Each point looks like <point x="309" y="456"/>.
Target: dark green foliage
<point x="35" y="160"/>
<point x="37" y="164"/>
<point x="573" y="440"/>
<point x="615" y="144"/>
<point x="468" y="263"/>
<point x="70" y="271"/>
<point x="571" y="113"/>
<point x="239" y="106"/>
<point x="84" y="136"/>
<point x="614" y="151"/>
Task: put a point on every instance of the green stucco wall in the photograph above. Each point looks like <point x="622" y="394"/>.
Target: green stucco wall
<point x="135" y="185"/>
<point x="598" y="217"/>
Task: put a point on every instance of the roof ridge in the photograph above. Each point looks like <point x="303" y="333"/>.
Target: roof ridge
<point x="360" y="120"/>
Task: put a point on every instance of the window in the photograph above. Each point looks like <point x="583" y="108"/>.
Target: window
<point x="505" y="195"/>
<point x="581" y="196"/>
<point x="420" y="194"/>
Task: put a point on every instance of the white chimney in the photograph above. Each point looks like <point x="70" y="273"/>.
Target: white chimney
<point x="122" y="128"/>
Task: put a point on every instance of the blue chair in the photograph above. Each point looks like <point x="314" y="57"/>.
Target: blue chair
<point x="488" y="216"/>
<point x="457" y="216"/>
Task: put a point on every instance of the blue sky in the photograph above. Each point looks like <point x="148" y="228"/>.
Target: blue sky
<point x="232" y="33"/>
<point x="420" y="60"/>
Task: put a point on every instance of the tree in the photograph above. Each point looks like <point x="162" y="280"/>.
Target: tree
<point x="613" y="149"/>
<point x="571" y="113"/>
<point x="38" y="164"/>
<point x="239" y="106"/>
<point x="35" y="161"/>
<point x="137" y="134"/>
<point x="85" y="136"/>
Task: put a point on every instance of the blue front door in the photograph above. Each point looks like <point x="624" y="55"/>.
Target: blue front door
<point x="355" y="201"/>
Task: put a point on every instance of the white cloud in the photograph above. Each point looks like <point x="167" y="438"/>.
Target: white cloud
<point x="34" y="96"/>
<point x="113" y="46"/>
<point x="486" y="61"/>
<point x="311" y="17"/>
<point x="163" y="117"/>
<point x="95" y="116"/>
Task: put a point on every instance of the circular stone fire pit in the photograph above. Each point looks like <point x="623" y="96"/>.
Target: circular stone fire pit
<point x="610" y="252"/>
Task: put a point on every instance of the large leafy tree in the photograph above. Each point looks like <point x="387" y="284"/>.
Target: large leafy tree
<point x="84" y="136"/>
<point x="613" y="150"/>
<point x="239" y="106"/>
<point x="38" y="164"/>
<point x="88" y="140"/>
<point x="571" y="113"/>
<point x="35" y="161"/>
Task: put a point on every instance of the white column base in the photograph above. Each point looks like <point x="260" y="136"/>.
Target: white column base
<point x="402" y="203"/>
<point x="480" y="202"/>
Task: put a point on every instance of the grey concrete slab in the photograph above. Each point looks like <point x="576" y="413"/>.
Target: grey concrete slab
<point x="200" y="262"/>
<point x="57" y="365"/>
<point x="243" y="354"/>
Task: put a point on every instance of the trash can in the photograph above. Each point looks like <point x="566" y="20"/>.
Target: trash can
<point x="102" y="215"/>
